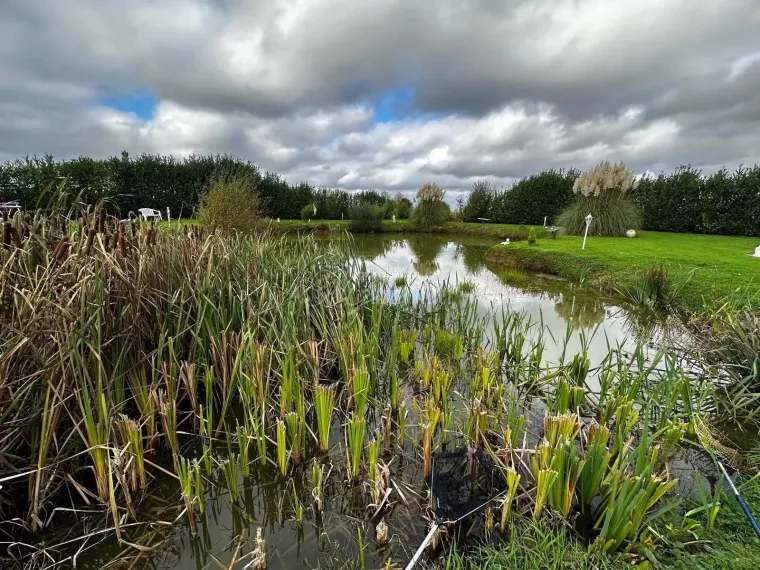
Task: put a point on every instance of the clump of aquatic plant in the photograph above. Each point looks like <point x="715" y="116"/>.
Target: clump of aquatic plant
<point x="282" y="447"/>
<point x="629" y="500"/>
<point x="406" y="344"/>
<point x="545" y="479"/>
<point x="231" y="469"/>
<point x="561" y="428"/>
<point x="243" y="442"/>
<point x="187" y="482"/>
<point x="131" y="438"/>
<point x="427" y="449"/>
<point x="513" y="482"/>
<point x="324" y="404"/>
<point x="567" y="464"/>
<point x="514" y="427"/>
<point x="448" y="344"/>
<point x="295" y="425"/>
<point x="626" y="418"/>
<point x="596" y="463"/>
<point x="355" y="429"/>
<point x="360" y="387"/>
<point x="317" y="477"/>
<point x="297" y="506"/>
<point x="373" y="454"/>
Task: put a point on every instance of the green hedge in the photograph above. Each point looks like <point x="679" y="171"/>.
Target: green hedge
<point x="687" y="201"/>
<point x="529" y="201"/>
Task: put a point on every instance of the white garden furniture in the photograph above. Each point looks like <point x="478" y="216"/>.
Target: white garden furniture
<point x="150" y="214"/>
<point x="10" y="208"/>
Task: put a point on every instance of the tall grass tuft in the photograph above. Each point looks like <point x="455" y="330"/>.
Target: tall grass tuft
<point x="355" y="429"/>
<point x="324" y="403"/>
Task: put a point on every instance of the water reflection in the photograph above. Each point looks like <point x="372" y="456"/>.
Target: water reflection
<point x="598" y="320"/>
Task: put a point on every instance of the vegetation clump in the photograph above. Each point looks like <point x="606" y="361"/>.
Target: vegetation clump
<point x="308" y="212"/>
<point x="479" y="202"/>
<point x="431" y="211"/>
<point x="366" y="218"/>
<point x="231" y="203"/>
<point x="603" y="192"/>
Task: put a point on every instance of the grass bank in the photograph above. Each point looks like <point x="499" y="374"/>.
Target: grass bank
<point x="730" y="545"/>
<point x="495" y="231"/>
<point x="701" y="272"/>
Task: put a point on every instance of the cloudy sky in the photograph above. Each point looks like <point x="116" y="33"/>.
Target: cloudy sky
<point x="386" y="94"/>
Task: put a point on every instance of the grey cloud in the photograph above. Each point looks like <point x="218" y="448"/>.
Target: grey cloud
<point x="514" y="87"/>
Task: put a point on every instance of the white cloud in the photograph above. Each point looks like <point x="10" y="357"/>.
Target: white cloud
<point x="502" y="88"/>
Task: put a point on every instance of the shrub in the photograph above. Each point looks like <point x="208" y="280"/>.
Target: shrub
<point x="479" y="202"/>
<point x="651" y="288"/>
<point x="231" y="203"/>
<point x="431" y="210"/>
<point x="402" y="207"/>
<point x="366" y="218"/>
<point x="534" y="198"/>
<point x="308" y="212"/>
<point x="603" y="193"/>
<point x="532" y="236"/>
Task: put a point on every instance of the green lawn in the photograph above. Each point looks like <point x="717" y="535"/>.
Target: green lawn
<point x="704" y="271"/>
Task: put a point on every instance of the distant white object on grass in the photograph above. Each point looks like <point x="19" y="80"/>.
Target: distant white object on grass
<point x="505" y="242"/>
<point x="757" y="251"/>
<point x="631" y="233"/>
<point x="394" y="218"/>
<point x="278" y="220"/>
<point x="150" y="214"/>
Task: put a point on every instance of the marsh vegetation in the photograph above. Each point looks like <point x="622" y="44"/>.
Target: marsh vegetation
<point x="220" y="396"/>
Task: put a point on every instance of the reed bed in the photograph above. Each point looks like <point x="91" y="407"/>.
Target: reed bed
<point x="197" y="353"/>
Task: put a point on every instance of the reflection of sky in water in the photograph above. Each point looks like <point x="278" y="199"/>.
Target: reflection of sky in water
<point x="424" y="259"/>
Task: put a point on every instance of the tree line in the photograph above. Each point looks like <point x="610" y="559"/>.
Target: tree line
<point x="685" y="200"/>
<point x="127" y="183"/>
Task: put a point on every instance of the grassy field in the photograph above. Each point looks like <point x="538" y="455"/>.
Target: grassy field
<point x="703" y="272"/>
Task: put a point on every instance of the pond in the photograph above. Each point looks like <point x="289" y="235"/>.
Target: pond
<point x="346" y="527"/>
<point x="598" y="320"/>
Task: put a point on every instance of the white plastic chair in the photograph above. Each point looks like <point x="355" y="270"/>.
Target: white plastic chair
<point x="149" y="213"/>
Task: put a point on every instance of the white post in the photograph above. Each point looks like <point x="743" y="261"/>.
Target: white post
<point x="585" y="234"/>
<point x="544" y="221"/>
<point x="168" y="216"/>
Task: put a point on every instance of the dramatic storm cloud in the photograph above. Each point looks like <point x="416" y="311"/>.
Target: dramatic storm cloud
<point x="386" y="94"/>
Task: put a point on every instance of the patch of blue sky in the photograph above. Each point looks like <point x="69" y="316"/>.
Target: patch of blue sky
<point x="141" y="102"/>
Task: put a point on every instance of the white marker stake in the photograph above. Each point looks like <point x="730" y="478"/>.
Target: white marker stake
<point x="585" y="234"/>
<point x="544" y="221"/>
<point x="169" y="216"/>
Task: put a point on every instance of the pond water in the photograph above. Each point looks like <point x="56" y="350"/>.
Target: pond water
<point x="227" y="533"/>
<point x="597" y="320"/>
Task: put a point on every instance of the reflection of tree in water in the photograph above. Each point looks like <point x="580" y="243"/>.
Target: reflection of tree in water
<point x="580" y="310"/>
<point x="371" y="246"/>
<point x="425" y="268"/>
<point x="426" y="249"/>
<point x="472" y="256"/>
